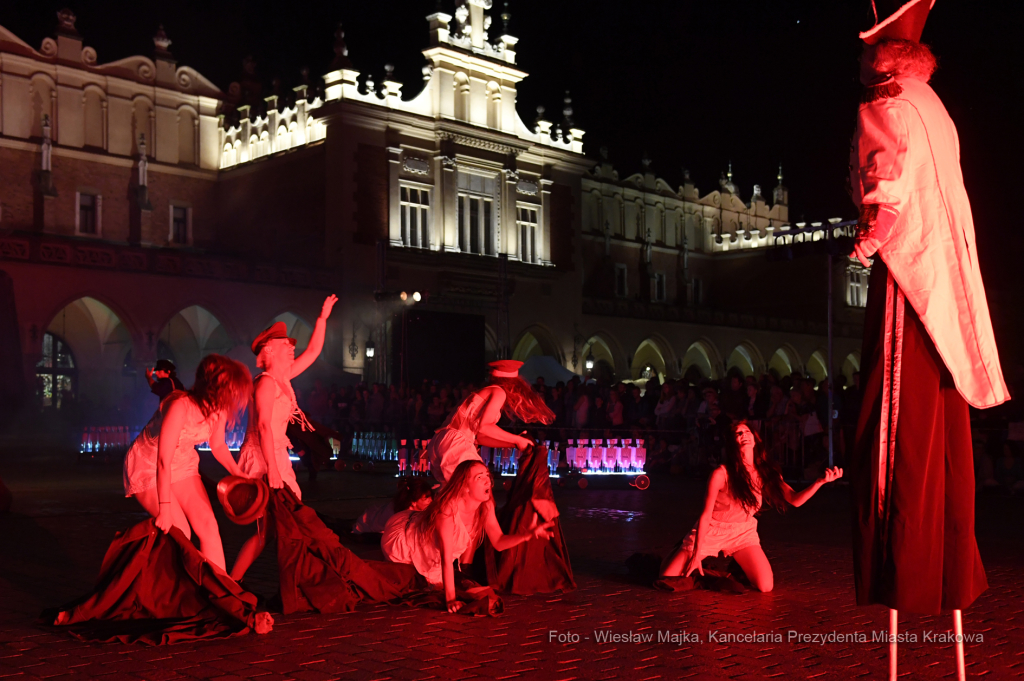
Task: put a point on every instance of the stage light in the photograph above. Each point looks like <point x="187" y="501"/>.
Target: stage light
<point x="370" y="349"/>
<point x="416" y="296"/>
<point x="403" y="295"/>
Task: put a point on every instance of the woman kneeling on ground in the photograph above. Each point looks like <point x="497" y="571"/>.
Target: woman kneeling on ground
<point x="736" y="493"/>
<point x="450" y="529"/>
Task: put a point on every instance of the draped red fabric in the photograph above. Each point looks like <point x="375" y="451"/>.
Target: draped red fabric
<point x="318" y="573"/>
<point x="157" y="588"/>
<point x="538" y="565"/>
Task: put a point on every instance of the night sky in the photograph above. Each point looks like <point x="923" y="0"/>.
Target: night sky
<point x="692" y="84"/>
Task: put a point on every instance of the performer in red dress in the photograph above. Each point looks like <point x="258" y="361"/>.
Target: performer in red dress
<point x="155" y="586"/>
<point x="316" y="572"/>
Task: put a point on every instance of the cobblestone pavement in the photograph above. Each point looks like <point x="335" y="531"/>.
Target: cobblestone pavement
<point x="64" y="517"/>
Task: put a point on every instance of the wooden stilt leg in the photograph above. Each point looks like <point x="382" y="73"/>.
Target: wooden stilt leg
<point x="958" y="631"/>
<point x="893" y="619"/>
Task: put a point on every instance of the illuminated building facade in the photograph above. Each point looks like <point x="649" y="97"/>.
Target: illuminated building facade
<point x="146" y="213"/>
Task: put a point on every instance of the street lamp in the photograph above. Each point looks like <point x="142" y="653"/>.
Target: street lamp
<point x="590" y="361"/>
<point x="370" y="349"/>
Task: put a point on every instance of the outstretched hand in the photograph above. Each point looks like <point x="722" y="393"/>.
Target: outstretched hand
<point x="328" y="306"/>
<point x="831" y="475"/>
<point x="539" y="530"/>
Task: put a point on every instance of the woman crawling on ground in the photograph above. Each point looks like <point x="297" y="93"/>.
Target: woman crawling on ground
<point x="450" y="529"/>
<point x="735" y="494"/>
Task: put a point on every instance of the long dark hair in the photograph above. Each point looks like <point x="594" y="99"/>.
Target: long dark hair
<point x="411" y="490"/>
<point x="222" y="384"/>
<point x="740" y="485"/>
<point x="522" y="402"/>
<point x="446" y="501"/>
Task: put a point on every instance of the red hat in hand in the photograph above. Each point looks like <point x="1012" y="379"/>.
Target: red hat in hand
<point x="243" y="499"/>
<point x="505" y="368"/>
<point x="277" y="331"/>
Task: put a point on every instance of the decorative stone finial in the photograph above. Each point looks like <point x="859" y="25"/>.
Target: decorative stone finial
<point x="686" y="176"/>
<point x="646" y="163"/>
<point x="567" y="111"/>
<point x="66" y="22"/>
<point x="341" y="60"/>
<point x="604" y="153"/>
<point x="729" y="174"/>
<point x="389" y="71"/>
<point x="505" y="18"/>
<point x="780" y="173"/>
<point x="162" y="42"/>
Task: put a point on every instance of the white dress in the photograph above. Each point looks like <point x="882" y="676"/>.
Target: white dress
<point x="455" y="441"/>
<point x="250" y="458"/>
<point x="401" y="543"/>
<point x="140" y="462"/>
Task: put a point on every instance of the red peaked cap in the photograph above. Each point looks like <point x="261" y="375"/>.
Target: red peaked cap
<point x="277" y="331"/>
<point x="905" y="21"/>
<point x="505" y="368"/>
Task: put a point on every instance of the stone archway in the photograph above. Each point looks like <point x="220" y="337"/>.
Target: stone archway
<point x="785" y="361"/>
<point x="85" y="336"/>
<point x="648" y="360"/>
<point x="851" y="365"/>
<point x="536" y="341"/>
<point x="746" y="358"/>
<point x="700" y="360"/>
<point x="190" y="335"/>
<point x="297" y="329"/>
<point x="817" y="366"/>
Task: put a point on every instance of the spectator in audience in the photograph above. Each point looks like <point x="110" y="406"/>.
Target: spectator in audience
<point x="615" y="410"/>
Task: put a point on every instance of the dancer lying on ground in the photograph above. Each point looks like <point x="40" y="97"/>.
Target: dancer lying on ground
<point x="264" y="451"/>
<point x="475" y="422"/>
<point x="450" y="529"/>
<point x="414" y="494"/>
<point x="155" y="586"/>
<point x="161" y="470"/>
<point x="735" y="494"/>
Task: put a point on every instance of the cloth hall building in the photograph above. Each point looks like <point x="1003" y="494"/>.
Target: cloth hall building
<point x="147" y="213"/>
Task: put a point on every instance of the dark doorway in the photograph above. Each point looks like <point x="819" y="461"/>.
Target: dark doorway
<point x="439" y="345"/>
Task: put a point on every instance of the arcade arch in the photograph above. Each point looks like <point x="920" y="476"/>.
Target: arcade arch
<point x="190" y="335"/>
<point x="700" y="362"/>
<point x="604" y="359"/>
<point x="648" y="360"/>
<point x="83" y="355"/>
<point x="785" y="361"/>
<point x="851" y="365"/>
<point x="817" y="366"/>
<point x="535" y="341"/>
<point x="746" y="358"/>
<point x="297" y="329"/>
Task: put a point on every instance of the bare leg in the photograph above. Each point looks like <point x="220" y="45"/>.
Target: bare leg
<point x="958" y="631"/>
<point x="893" y="630"/>
<point x="757" y="568"/>
<point x="192" y="496"/>
<point x="674" y="564"/>
<point x="148" y="500"/>
<point x="250" y="551"/>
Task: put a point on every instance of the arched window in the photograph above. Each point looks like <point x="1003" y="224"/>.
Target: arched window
<point x="282" y="139"/>
<point x="228" y="157"/>
<point x="56" y="373"/>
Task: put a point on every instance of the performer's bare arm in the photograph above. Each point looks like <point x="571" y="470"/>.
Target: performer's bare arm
<point x="263" y="410"/>
<point x="489" y="434"/>
<point x="801" y="497"/>
<point x="502" y="542"/>
<point x="446" y="535"/>
<point x="719" y="481"/>
<point x="316" y="341"/>
<point x="219" y="447"/>
<point x="174" y="412"/>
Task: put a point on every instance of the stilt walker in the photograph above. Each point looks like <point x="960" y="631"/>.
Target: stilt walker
<point x="929" y="350"/>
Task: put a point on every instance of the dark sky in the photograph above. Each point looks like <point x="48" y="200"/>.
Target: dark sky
<point x="693" y="84"/>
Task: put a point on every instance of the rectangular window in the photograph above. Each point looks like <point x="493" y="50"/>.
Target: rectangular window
<point x="180" y="218"/>
<point x="476" y="225"/>
<point x="856" y="287"/>
<point x="659" y="287"/>
<point x="526" y="220"/>
<point x="415" y="209"/>
<point x="621" y="288"/>
<point x="88" y="214"/>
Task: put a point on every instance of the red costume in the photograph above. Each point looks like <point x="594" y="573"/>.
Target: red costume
<point x="929" y="349"/>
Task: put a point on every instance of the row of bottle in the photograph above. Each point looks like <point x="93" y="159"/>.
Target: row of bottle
<point x="610" y="457"/>
<point x="97" y="439"/>
<point x="233" y="439"/>
<point x="377" y="446"/>
<point x="505" y="460"/>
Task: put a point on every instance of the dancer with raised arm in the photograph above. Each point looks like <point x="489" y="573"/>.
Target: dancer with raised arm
<point x="154" y="585"/>
<point x="450" y="529"/>
<point x="737" y="491"/>
<point x="316" y="572"/>
<point x="929" y="349"/>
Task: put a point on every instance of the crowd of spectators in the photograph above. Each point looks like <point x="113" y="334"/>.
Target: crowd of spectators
<point x="683" y="425"/>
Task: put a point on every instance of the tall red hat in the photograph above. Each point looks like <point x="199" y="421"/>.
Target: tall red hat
<point x="505" y="368"/>
<point x="276" y="331"/>
<point x="905" y="20"/>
